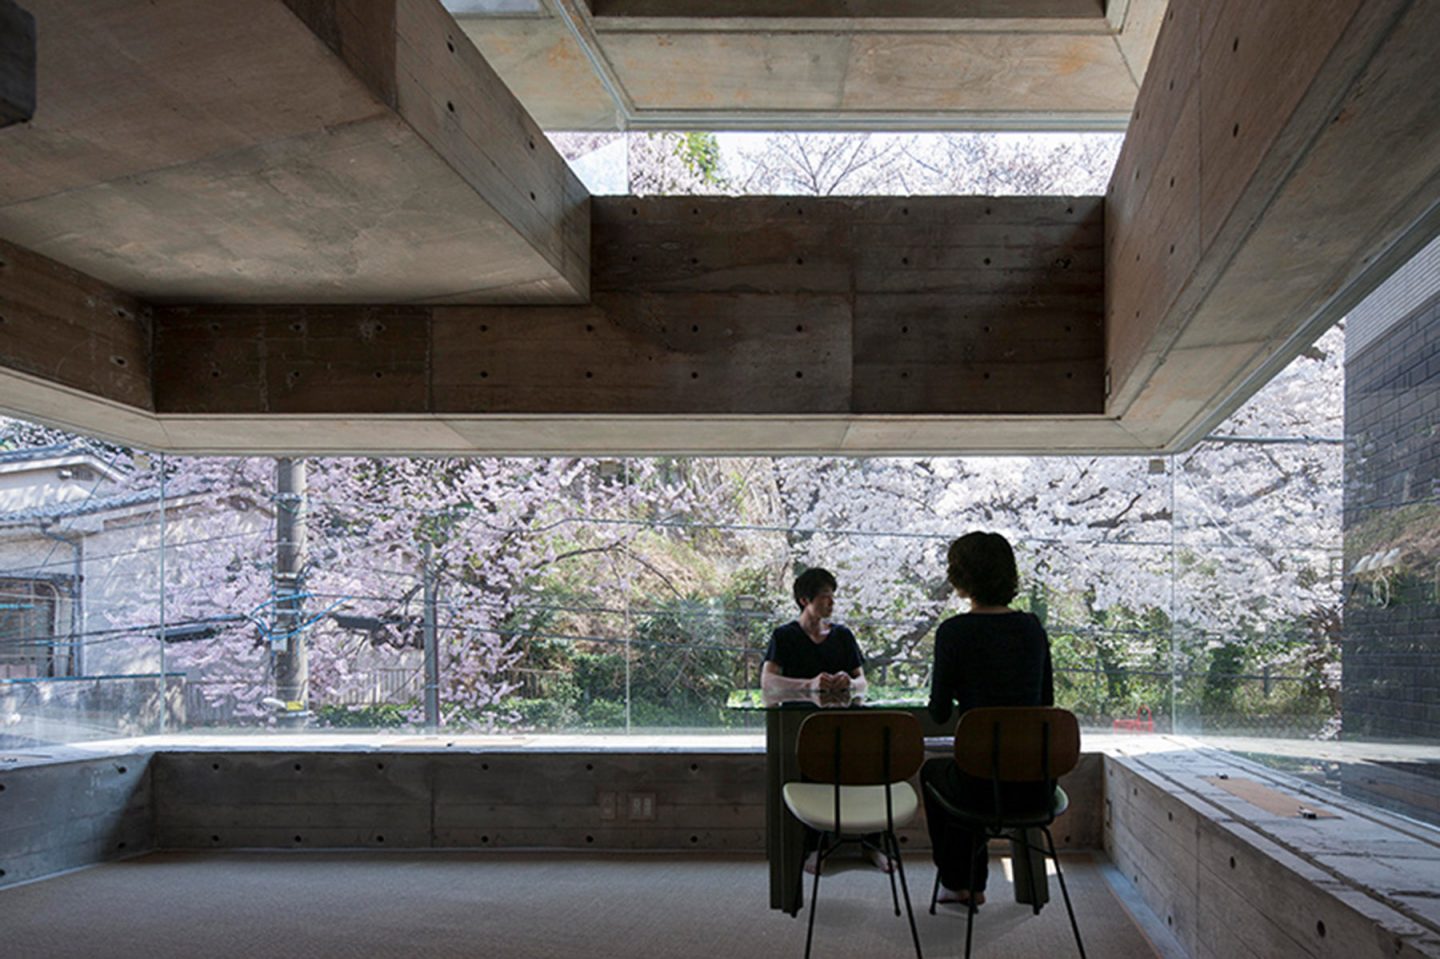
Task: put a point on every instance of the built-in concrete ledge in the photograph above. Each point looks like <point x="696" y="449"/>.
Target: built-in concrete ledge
<point x="62" y="808"/>
<point x="1220" y="848"/>
<point x="1241" y="861"/>
<point x="409" y="792"/>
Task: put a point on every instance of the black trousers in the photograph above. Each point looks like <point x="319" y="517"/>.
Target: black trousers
<point x="956" y="849"/>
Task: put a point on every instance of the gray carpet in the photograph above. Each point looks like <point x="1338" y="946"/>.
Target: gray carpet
<point x="298" y="905"/>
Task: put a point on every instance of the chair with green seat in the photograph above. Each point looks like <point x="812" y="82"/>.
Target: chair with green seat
<point x="856" y="764"/>
<point x="1014" y="746"/>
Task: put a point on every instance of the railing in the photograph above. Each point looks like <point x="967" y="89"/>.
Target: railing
<point x="385" y="684"/>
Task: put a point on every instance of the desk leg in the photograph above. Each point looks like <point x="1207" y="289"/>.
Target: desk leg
<point x="784" y="834"/>
<point x="1023" y="861"/>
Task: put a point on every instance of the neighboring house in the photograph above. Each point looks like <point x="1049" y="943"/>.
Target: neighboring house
<point x="43" y="492"/>
<point x="80" y="561"/>
<point x="81" y="616"/>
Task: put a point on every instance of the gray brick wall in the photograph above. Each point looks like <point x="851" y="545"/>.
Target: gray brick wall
<point x="1392" y="518"/>
<point x="1395" y="299"/>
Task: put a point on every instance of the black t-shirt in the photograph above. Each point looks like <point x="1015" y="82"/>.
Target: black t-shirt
<point x="990" y="659"/>
<point x="799" y="658"/>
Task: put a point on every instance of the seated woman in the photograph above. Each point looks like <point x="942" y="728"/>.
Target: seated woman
<point x="812" y="653"/>
<point x="991" y="656"/>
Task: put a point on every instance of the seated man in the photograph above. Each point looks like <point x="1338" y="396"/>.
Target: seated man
<point x="810" y="652"/>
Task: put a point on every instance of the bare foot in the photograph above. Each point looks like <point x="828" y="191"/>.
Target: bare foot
<point x="879" y="860"/>
<point x="812" y="862"/>
<point x="961" y="896"/>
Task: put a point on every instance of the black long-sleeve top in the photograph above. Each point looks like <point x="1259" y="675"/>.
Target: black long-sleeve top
<point x="990" y="659"/>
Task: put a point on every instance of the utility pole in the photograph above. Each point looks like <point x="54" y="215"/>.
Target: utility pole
<point x="432" y="650"/>
<point x="288" y="648"/>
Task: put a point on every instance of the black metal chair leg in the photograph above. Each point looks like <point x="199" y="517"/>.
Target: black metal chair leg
<point x="1064" y="892"/>
<point x="899" y="866"/>
<point x="820" y="853"/>
<point x="935" y="891"/>
<point x="1035" y="902"/>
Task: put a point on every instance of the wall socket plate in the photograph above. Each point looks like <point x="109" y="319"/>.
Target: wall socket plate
<point x="641" y="807"/>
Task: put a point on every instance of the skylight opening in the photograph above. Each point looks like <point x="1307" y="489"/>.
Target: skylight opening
<point x="841" y="164"/>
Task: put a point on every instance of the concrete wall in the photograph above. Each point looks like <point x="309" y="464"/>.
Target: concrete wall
<point x="55" y="816"/>
<point x="58" y="815"/>
<point x="1233" y="880"/>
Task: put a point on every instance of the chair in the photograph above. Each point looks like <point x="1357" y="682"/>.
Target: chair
<point x="856" y="764"/>
<point x="1006" y="746"/>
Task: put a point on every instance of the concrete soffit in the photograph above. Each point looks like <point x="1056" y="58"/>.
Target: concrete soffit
<point x="1027" y="65"/>
<point x="334" y="226"/>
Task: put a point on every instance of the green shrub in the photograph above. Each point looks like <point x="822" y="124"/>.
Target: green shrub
<point x="380" y="716"/>
<point x="544" y="714"/>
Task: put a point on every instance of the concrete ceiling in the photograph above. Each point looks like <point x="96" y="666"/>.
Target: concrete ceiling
<point x="315" y="226"/>
<point x="822" y="64"/>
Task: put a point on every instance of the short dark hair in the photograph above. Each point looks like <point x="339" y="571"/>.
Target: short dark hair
<point x="811" y="582"/>
<point x="982" y="566"/>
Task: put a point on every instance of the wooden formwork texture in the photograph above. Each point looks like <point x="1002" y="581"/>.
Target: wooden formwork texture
<point x="1232" y="878"/>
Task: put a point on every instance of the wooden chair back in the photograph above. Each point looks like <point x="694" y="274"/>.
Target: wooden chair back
<point x="1017" y="743"/>
<point x="860" y="747"/>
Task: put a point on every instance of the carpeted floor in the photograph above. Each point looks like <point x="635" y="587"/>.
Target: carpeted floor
<point x="299" y="905"/>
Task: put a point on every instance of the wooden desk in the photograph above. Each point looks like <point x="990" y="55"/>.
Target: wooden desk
<point x="785" y="835"/>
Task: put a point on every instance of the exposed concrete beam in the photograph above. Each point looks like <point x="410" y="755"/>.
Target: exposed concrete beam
<point x="704" y="310"/>
<point x="301" y="151"/>
<point x="887" y="325"/>
<point x="851" y="9"/>
<point x="1034" y="65"/>
<point x="17" y="64"/>
<point x="74" y="352"/>
<point x="62" y="327"/>
<point x="1277" y="163"/>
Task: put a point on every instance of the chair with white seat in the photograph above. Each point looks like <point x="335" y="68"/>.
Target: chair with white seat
<point x="856" y="764"/>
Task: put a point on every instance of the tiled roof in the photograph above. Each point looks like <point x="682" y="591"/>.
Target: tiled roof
<point x="84" y="507"/>
<point x="30" y="453"/>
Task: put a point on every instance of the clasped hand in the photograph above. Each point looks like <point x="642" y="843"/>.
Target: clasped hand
<point x="833" y="682"/>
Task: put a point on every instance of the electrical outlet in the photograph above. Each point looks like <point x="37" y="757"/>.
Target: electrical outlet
<point x="607" y="805"/>
<point x="642" y="806"/>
